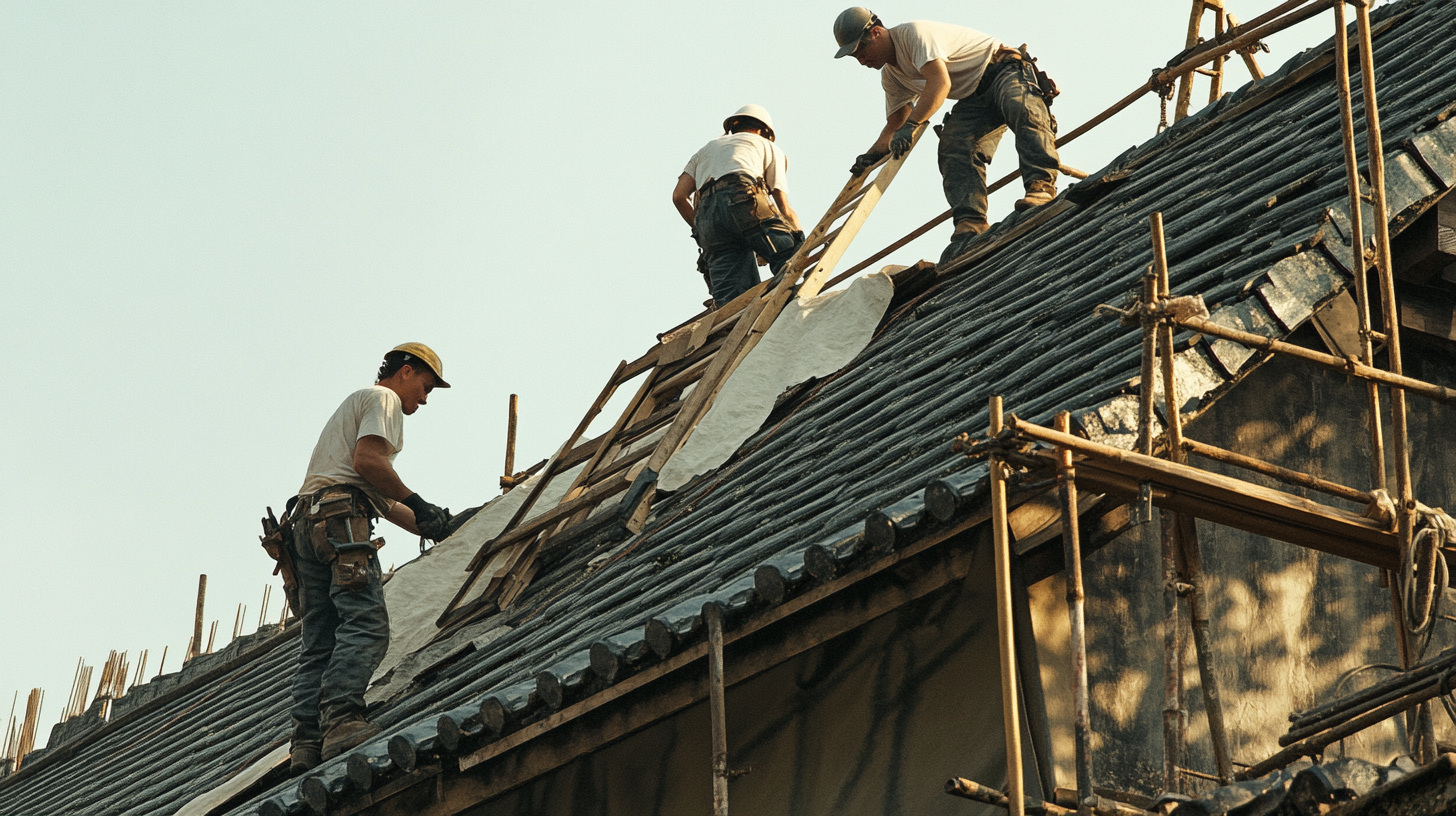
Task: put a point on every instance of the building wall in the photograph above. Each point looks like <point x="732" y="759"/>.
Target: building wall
<point x="1287" y="622"/>
<point x="872" y="722"/>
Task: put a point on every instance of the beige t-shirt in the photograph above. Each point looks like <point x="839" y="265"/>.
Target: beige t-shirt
<point x="740" y="153"/>
<point x="966" y="53"/>
<point x="372" y="411"/>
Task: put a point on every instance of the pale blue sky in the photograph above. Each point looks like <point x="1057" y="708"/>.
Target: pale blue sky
<point x="216" y="217"/>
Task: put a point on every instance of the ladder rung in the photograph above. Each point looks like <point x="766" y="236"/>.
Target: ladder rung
<point x="852" y="202"/>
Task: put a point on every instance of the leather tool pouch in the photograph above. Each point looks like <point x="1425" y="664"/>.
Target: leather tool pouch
<point x="274" y="538"/>
<point x="351" y="567"/>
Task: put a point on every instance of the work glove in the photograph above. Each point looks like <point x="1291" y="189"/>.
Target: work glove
<point x="865" y="161"/>
<point x="433" y="522"/>
<point x="900" y="142"/>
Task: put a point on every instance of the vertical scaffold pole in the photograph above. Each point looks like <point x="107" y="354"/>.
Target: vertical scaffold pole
<point x="1010" y="703"/>
<point x="1173" y="715"/>
<point x="713" y="613"/>
<point x="1076" y="602"/>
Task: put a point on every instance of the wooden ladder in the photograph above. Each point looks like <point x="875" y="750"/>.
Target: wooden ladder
<point x="701" y="353"/>
<point x="1222" y="21"/>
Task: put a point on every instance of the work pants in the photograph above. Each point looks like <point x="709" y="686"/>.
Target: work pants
<point x="1006" y="98"/>
<point x="345" y="637"/>
<point x="731" y="234"/>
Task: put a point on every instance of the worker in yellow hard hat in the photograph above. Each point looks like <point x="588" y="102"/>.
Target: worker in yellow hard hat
<point x="734" y="194"/>
<point x="351" y="482"/>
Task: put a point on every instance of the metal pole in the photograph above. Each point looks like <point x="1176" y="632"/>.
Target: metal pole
<point x="1076" y="602"/>
<point x="1010" y="704"/>
<point x="1173" y="715"/>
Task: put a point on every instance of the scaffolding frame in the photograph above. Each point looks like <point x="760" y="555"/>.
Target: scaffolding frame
<point x="1185" y="492"/>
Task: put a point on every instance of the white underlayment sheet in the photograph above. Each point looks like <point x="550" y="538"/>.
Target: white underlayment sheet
<point x="810" y="338"/>
<point x="419" y="590"/>
<point x="227" y="790"/>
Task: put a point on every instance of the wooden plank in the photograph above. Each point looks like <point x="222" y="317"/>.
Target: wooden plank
<point x="587" y="499"/>
<point x="553" y="468"/>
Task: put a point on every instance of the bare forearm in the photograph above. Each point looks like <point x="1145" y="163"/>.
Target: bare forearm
<point x="892" y="123"/>
<point x="402" y="516"/>
<point x="789" y="214"/>
<point x="685" y="209"/>
<point x="381" y="474"/>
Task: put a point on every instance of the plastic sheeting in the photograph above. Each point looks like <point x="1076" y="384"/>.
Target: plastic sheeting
<point x="810" y="338"/>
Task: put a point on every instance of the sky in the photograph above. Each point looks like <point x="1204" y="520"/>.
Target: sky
<point x="216" y="217"/>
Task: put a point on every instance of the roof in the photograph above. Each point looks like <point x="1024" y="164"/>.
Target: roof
<point x="1252" y="191"/>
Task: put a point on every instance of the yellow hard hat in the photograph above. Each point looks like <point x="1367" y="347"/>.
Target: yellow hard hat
<point x="427" y="356"/>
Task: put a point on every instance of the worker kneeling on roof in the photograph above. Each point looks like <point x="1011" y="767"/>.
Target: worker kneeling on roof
<point x="339" y="595"/>
<point x="741" y="207"/>
<point x="922" y="64"/>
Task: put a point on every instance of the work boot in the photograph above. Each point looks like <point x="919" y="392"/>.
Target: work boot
<point x="303" y="757"/>
<point x="346" y="734"/>
<point x="969" y="226"/>
<point x="1037" y="194"/>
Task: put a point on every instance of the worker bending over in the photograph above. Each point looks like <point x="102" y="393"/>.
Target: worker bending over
<point x="922" y="64"/>
<point x="741" y="207"/>
<point x="351" y="482"/>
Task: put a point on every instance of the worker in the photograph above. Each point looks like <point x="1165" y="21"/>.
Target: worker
<point x="922" y="64"/>
<point x="741" y="207"/>
<point x="351" y="482"/>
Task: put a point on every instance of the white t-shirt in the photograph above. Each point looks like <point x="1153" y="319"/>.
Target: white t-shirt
<point x="966" y="53"/>
<point x="372" y="411"/>
<point x="740" y="153"/>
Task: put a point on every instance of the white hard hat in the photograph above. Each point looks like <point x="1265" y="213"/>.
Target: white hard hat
<point x="755" y="112"/>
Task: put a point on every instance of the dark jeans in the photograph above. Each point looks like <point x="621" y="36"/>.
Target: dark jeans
<point x="730" y="235"/>
<point x="345" y="637"/>
<point x="1006" y="98"/>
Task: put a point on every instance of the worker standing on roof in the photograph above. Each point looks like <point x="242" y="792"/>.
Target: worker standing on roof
<point x="922" y="64"/>
<point x="351" y="482"/>
<point x="741" y="207"/>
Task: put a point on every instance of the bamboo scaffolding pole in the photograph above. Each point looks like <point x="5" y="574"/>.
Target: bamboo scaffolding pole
<point x="197" y="617"/>
<point x="1352" y="368"/>
<point x="263" y="608"/>
<point x="141" y="671"/>
<point x="1357" y="243"/>
<point x="211" y="636"/>
<point x="713" y="614"/>
<point x="1174" y="716"/>
<point x="1283" y="474"/>
<point x="1010" y="703"/>
<point x="966" y="789"/>
<point x="1076" y="605"/>
<point x="1310" y="746"/>
<point x="1399" y="433"/>
<point x="511" y="409"/>
<point x="161" y="666"/>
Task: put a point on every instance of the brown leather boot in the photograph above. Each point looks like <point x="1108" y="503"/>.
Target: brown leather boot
<point x="969" y="226"/>
<point x="346" y="734"/>
<point x="1037" y="194"/>
<point x="303" y="757"/>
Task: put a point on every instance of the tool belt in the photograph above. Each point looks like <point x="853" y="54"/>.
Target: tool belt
<point x="337" y="520"/>
<point x="1046" y="87"/>
<point x="753" y="204"/>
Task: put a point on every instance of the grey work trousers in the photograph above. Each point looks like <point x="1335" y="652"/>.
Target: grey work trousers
<point x="1006" y="98"/>
<point x="345" y="637"/>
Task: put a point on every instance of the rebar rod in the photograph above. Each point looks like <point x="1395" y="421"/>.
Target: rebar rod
<point x="1283" y="474"/>
<point x="1076" y="613"/>
<point x="1010" y="704"/>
